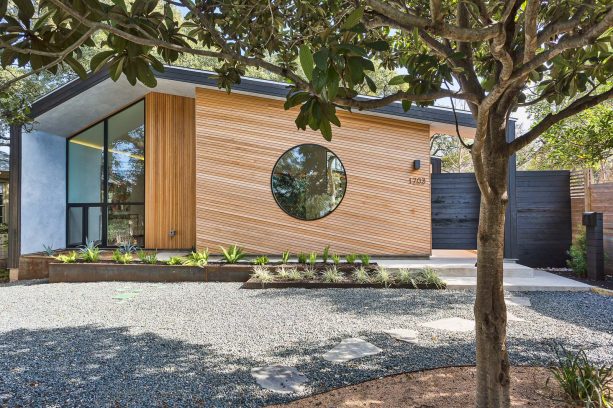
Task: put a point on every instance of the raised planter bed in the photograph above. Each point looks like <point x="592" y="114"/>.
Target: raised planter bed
<point x="253" y="283"/>
<point x="35" y="266"/>
<point x="138" y="272"/>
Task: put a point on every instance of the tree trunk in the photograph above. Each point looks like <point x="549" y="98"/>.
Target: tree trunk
<point x="493" y="381"/>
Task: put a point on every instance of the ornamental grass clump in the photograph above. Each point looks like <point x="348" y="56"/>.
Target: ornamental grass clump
<point x="325" y="255"/>
<point x="383" y="276"/>
<point x="583" y="382"/>
<point x="282" y="272"/>
<point x="365" y="259"/>
<point x="423" y="277"/>
<point x="150" y="258"/>
<point x="294" y="275"/>
<point x="351" y="258"/>
<point x="302" y="258"/>
<point x="336" y="259"/>
<point x="312" y="258"/>
<point x="360" y="275"/>
<point x="198" y="258"/>
<point x="262" y="273"/>
<point x="332" y="275"/>
<point x="309" y="273"/>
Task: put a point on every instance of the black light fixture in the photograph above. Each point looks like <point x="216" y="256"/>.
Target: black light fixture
<point x="416" y="164"/>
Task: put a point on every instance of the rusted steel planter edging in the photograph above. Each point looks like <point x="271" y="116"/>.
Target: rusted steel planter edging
<point x="105" y="272"/>
<point x="257" y="284"/>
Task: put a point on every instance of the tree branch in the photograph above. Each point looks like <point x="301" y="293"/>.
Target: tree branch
<point x="367" y="104"/>
<point x="530" y="15"/>
<point x="408" y="21"/>
<point x="548" y="121"/>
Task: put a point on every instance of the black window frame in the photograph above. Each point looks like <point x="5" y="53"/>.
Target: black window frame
<point x="105" y="204"/>
<point x="272" y="174"/>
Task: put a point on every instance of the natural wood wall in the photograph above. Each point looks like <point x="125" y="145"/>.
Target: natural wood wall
<point x="601" y="197"/>
<point x="169" y="171"/>
<point x="240" y="137"/>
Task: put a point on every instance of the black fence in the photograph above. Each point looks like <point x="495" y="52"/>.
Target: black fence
<point x="542" y="215"/>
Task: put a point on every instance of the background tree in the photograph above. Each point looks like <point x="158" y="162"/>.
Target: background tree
<point x="493" y="55"/>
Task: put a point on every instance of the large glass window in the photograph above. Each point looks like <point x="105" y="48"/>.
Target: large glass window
<point x="106" y="181"/>
<point x="308" y="182"/>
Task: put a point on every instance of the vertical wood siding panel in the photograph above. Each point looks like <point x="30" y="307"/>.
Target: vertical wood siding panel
<point x="240" y="137"/>
<point x="170" y="194"/>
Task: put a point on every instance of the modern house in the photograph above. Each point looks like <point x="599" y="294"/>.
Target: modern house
<point x="186" y="165"/>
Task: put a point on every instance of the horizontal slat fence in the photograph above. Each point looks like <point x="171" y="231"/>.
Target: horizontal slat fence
<point x="543" y="214"/>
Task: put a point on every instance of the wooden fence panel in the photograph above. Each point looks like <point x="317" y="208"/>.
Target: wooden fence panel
<point x="601" y="198"/>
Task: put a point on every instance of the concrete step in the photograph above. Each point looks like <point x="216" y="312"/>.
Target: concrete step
<point x="541" y="281"/>
<point x="511" y="270"/>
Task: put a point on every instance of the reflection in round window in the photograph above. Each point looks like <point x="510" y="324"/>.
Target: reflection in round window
<point x="308" y="182"/>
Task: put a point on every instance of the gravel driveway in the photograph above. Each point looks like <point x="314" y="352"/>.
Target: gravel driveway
<point x="194" y="344"/>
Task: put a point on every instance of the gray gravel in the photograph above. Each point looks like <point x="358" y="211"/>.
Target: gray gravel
<point x="194" y="344"/>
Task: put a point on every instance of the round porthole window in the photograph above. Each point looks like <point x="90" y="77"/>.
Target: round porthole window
<point x="308" y="182"/>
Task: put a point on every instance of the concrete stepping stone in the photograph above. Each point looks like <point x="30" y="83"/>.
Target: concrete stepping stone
<point x="406" y="335"/>
<point x="349" y="349"/>
<point x="278" y="378"/>
<point x="512" y="318"/>
<point x="517" y="301"/>
<point x="455" y="324"/>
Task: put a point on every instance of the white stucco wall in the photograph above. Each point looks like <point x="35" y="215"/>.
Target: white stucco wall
<point x="43" y="191"/>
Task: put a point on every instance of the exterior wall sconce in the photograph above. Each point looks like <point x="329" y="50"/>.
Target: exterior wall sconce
<point x="416" y="164"/>
<point x="172" y="233"/>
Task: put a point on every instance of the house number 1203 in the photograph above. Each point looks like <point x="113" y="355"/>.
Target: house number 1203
<point x="417" y="180"/>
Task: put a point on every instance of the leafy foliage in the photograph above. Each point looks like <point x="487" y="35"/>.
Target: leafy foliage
<point x="150" y="258"/>
<point x="582" y="381"/>
<point x="302" y="258"/>
<point x="336" y="259"/>
<point x="70" y="257"/>
<point x="578" y="255"/>
<point x="365" y="259"/>
<point x="233" y="254"/>
<point x="175" y="260"/>
<point x="261" y="260"/>
<point x="325" y="255"/>
<point x="351" y="258"/>
<point x="197" y="258"/>
<point x="285" y="257"/>
<point x="312" y="258"/>
<point x="122" y="257"/>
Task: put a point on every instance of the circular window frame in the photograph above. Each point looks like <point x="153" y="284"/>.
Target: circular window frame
<point x="275" y="197"/>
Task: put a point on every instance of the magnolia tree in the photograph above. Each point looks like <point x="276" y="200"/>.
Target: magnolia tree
<point x="494" y="56"/>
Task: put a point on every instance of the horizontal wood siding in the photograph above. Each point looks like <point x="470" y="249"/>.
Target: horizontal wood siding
<point x="240" y="137"/>
<point x="169" y="172"/>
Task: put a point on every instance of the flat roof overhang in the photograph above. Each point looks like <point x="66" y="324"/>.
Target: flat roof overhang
<point x="80" y="103"/>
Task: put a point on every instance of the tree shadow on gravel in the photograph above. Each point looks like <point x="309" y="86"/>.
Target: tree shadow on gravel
<point x="92" y="366"/>
<point x="364" y="302"/>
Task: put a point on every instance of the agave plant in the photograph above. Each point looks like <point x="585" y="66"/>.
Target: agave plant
<point x="233" y="254"/>
<point x="90" y="251"/>
<point x="127" y="248"/>
<point x="48" y="250"/>
<point x="197" y="258"/>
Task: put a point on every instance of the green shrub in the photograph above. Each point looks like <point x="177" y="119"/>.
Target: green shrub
<point x="582" y="381"/>
<point x="365" y="259"/>
<point x="312" y="258"/>
<point x="285" y="257"/>
<point x="336" y="259"/>
<point x="197" y="258"/>
<point x="578" y="256"/>
<point x="150" y="258"/>
<point x="262" y="274"/>
<point x="383" y="276"/>
<point x="325" y="255"/>
<point x="302" y="258"/>
<point x="71" y="257"/>
<point x="91" y="254"/>
<point x="233" y="254"/>
<point x="309" y="273"/>
<point x="351" y="258"/>
<point x="261" y="260"/>
<point x="175" y="260"/>
<point x="332" y="275"/>
<point x="122" y="258"/>
<point x="360" y="275"/>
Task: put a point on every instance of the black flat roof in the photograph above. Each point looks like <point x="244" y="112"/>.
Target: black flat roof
<point x="251" y="85"/>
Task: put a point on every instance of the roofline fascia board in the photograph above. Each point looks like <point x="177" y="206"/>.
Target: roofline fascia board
<point x="249" y="86"/>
